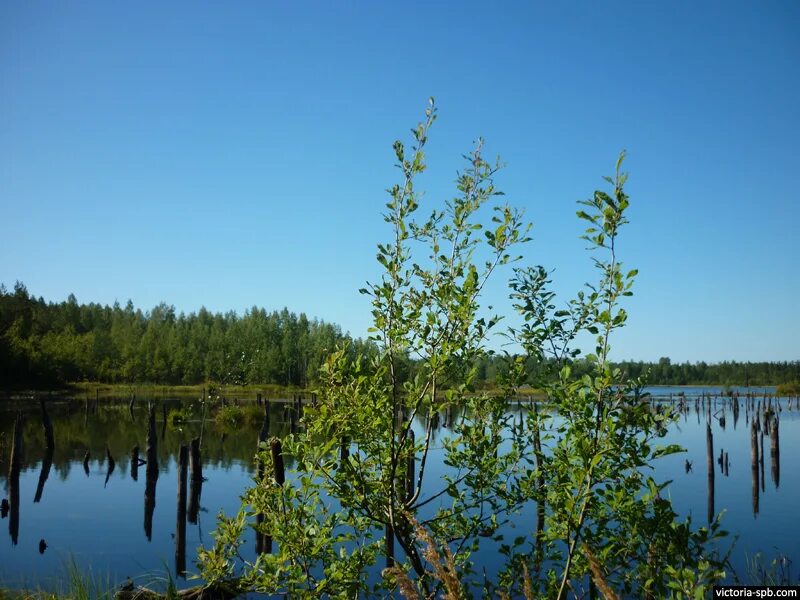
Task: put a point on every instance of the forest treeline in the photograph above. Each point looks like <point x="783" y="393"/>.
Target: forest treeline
<point x="51" y="343"/>
<point x="46" y="343"/>
<point x="665" y="372"/>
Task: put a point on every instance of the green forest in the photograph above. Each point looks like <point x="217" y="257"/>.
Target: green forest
<point x="53" y="343"/>
<point x="48" y="343"/>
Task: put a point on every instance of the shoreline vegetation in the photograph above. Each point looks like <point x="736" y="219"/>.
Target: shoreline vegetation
<point x="250" y="392"/>
<point x="73" y="346"/>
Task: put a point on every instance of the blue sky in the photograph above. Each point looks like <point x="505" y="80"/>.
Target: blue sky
<point x="236" y="154"/>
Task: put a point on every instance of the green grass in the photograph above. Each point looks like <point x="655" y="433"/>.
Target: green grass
<point x="72" y="584"/>
<point x="789" y="389"/>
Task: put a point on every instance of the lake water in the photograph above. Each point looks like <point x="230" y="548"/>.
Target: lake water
<point x="109" y="523"/>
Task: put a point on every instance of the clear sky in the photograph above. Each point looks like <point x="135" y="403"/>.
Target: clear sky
<point x="231" y="154"/>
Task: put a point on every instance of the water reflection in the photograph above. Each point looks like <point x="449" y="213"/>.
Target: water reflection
<point x="100" y="525"/>
<point x="152" y="474"/>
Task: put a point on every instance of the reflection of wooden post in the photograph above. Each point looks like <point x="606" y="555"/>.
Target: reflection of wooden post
<point x="195" y="490"/>
<point x="180" y="529"/>
<point x="135" y="463"/>
<point x="86" y="463"/>
<point x="775" y="454"/>
<point x="152" y="444"/>
<point x="754" y="463"/>
<point x="47" y="424"/>
<point x="152" y="473"/>
<point x="263" y="542"/>
<point x="761" y="459"/>
<point x="111" y="465"/>
<point x="50" y="445"/>
<point x="277" y="461"/>
<point x="710" y="465"/>
<point x="196" y="465"/>
<point x="14" y="467"/>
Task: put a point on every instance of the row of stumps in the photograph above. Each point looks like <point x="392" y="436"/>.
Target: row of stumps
<point x="764" y="419"/>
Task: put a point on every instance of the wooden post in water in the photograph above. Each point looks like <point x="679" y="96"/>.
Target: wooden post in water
<point x="710" y="466"/>
<point x="86" y="463"/>
<point x="277" y="461"/>
<point x="180" y="527"/>
<point x="775" y="454"/>
<point x="194" y="460"/>
<point x="263" y="542"/>
<point x="754" y="463"/>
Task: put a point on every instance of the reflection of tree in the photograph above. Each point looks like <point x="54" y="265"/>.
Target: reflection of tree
<point x="152" y="473"/>
<point x="15" y="464"/>
<point x="180" y="527"/>
<point x="149" y="504"/>
<point x="111" y="426"/>
<point x="44" y="473"/>
<point x="13" y="497"/>
<point x="47" y="462"/>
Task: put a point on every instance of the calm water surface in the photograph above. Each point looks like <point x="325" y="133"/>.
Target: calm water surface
<point x="103" y="521"/>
